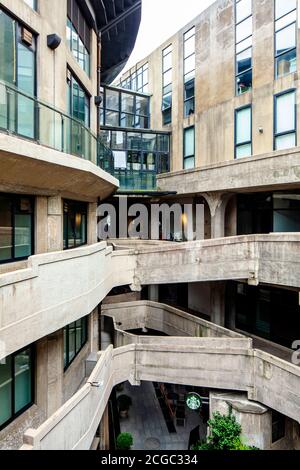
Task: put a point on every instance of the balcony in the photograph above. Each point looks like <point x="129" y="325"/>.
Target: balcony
<point x="46" y="294"/>
<point x="206" y="361"/>
<point x="63" y="142"/>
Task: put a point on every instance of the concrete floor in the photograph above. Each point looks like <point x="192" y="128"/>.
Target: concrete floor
<point x="147" y="425"/>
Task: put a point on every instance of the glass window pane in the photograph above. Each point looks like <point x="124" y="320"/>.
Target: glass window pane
<point x="284" y="142"/>
<point x="23" y="393"/>
<point x="127" y="102"/>
<point x="72" y="336"/>
<point x="286" y="39"/>
<point x="118" y="139"/>
<point x="149" y="142"/>
<point x="167" y="116"/>
<point x="189" y="47"/>
<point x="244" y="45"/>
<point x="189" y="163"/>
<point x="127" y="120"/>
<point x="163" y="143"/>
<point x="282" y="7"/>
<point x="167" y="62"/>
<point x="244" y="82"/>
<point x="244" y="29"/>
<point x="286" y="20"/>
<point x="5" y="229"/>
<point x="134" y="161"/>
<point x="112" y="100"/>
<point x="286" y="63"/>
<point x="65" y="347"/>
<point x="244" y="61"/>
<point x="78" y="335"/>
<point x="167" y="101"/>
<point x="23" y="235"/>
<point x="31" y="3"/>
<point x="134" y="141"/>
<point x="142" y="105"/>
<point x="189" y="142"/>
<point x="189" y="107"/>
<point x="26" y="69"/>
<point x="244" y="151"/>
<point x="5" y="390"/>
<point x="243" y="10"/>
<point x="120" y="160"/>
<point x="189" y="64"/>
<point x="167" y="78"/>
<point x="243" y="126"/>
<point x="189" y="33"/>
<point x="189" y="89"/>
<point x="7" y="48"/>
<point x="149" y="161"/>
<point x="285" y="113"/>
<point x="112" y="118"/>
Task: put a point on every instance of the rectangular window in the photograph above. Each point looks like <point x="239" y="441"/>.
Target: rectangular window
<point x="189" y="72"/>
<point x="243" y="40"/>
<point x="285" y="121"/>
<point x="138" y="80"/>
<point x="124" y="109"/>
<point x="31" y="3"/>
<point x="285" y="37"/>
<point x="75" y="337"/>
<point x="167" y="85"/>
<point x="189" y="148"/>
<point x="75" y="224"/>
<point x="78" y="35"/>
<point x="243" y="132"/>
<point x="16" y="227"/>
<point x="16" y="385"/>
<point x="278" y="426"/>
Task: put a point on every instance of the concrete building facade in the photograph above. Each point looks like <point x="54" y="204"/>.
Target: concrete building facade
<point x="221" y="131"/>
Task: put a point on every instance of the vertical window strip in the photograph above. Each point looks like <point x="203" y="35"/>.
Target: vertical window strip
<point x="167" y="85"/>
<point x="189" y="148"/>
<point x="189" y="66"/>
<point x="243" y="132"/>
<point x="285" y="37"/>
<point x="75" y="338"/>
<point x="243" y="46"/>
<point x="285" y="120"/>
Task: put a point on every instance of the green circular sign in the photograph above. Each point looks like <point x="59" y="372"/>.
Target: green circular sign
<point x="193" y="401"/>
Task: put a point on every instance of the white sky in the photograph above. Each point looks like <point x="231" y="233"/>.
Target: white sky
<point x="160" y="20"/>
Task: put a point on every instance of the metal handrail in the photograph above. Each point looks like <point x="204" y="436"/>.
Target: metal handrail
<point x="59" y="131"/>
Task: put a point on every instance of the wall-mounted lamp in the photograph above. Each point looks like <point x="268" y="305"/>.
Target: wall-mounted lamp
<point x="53" y="41"/>
<point x="98" y="100"/>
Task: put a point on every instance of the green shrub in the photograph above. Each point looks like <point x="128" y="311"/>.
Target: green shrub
<point x="225" y="434"/>
<point x="124" y="441"/>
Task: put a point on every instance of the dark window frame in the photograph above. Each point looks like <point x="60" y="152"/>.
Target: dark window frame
<point x="191" y="99"/>
<point x="167" y="111"/>
<point x="32" y="378"/>
<point x="71" y="78"/>
<point x="250" y="69"/>
<point x="236" y="145"/>
<point x="185" y="157"/>
<point x="84" y="341"/>
<point x="281" y="134"/>
<point x="66" y="221"/>
<point x="14" y="198"/>
<point x="276" y="56"/>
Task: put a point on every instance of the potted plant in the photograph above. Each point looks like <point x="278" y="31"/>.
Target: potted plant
<point x="124" y="441"/>
<point x="124" y="403"/>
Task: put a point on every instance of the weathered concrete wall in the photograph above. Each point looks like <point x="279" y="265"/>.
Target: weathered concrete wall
<point x="205" y="362"/>
<point x="80" y="279"/>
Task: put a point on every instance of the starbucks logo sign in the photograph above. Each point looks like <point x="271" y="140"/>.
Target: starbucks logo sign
<point x="193" y="401"/>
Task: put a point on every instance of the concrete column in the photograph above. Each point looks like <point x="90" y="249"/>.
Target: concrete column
<point x="41" y="225"/>
<point x="92" y="223"/>
<point x="55" y="224"/>
<point x="49" y="380"/>
<point x="94" y="331"/>
<point x="104" y="430"/>
<point x="217" y="303"/>
<point x="217" y="203"/>
<point x="153" y="293"/>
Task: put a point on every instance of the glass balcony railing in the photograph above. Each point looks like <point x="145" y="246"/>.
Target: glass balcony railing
<point x="25" y="116"/>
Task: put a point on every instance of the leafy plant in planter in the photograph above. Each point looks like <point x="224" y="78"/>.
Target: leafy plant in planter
<point x="225" y="434"/>
<point x="124" y="403"/>
<point x="124" y="441"/>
